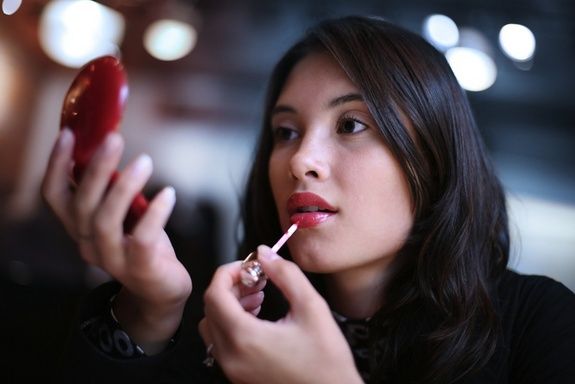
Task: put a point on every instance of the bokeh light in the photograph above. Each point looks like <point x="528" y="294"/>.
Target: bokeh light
<point x="474" y="69"/>
<point x="169" y="40"/>
<point x="9" y="7"/>
<point x="441" y="31"/>
<point x="74" y="32"/>
<point x="7" y="76"/>
<point x="517" y="42"/>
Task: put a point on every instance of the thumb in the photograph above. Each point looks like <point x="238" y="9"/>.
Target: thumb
<point x="291" y="281"/>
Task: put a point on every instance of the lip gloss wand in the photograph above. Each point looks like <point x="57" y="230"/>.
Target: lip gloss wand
<point x="252" y="271"/>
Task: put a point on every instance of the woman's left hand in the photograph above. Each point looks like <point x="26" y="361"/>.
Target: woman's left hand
<point x="306" y="346"/>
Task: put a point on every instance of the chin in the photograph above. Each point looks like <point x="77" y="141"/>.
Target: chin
<point x="314" y="264"/>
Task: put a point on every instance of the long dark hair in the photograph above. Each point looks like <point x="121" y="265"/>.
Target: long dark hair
<point x="439" y="321"/>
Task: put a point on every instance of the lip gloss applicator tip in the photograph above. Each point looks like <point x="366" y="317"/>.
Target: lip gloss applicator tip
<point x="291" y="230"/>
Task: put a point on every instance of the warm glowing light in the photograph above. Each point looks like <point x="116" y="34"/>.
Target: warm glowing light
<point x="441" y="31"/>
<point x="10" y="7"/>
<point x="6" y="85"/>
<point x="169" y="39"/>
<point x="74" y="32"/>
<point x="475" y="70"/>
<point x="517" y="42"/>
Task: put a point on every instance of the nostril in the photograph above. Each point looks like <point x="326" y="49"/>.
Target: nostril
<point x="312" y="174"/>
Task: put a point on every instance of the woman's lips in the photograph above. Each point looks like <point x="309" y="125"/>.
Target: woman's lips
<point x="311" y="219"/>
<point x="308" y="209"/>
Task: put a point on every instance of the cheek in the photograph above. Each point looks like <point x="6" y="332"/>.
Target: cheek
<point x="277" y="172"/>
<point x="381" y="200"/>
<point x="274" y="172"/>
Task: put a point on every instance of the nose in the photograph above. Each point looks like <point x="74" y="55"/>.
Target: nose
<point x="310" y="160"/>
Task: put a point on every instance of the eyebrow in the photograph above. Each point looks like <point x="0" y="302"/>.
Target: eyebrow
<point x="282" y="108"/>
<point x="347" y="98"/>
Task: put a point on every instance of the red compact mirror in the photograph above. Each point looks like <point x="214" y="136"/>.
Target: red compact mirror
<point x="92" y="108"/>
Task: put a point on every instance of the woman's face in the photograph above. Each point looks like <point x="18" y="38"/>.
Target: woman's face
<point x="331" y="171"/>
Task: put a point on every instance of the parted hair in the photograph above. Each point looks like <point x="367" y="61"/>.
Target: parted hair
<point x="439" y="321"/>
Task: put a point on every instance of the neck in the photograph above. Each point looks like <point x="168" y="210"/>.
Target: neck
<point x="357" y="293"/>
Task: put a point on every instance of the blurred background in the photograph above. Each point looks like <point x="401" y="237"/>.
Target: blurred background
<point x="197" y="72"/>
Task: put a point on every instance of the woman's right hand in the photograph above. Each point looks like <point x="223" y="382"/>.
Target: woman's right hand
<point x="155" y="284"/>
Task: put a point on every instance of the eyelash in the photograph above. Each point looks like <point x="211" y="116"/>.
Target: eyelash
<point x="346" y="119"/>
<point x="279" y="133"/>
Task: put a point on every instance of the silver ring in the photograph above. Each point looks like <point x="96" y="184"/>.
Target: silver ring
<point x="251" y="272"/>
<point x="209" y="361"/>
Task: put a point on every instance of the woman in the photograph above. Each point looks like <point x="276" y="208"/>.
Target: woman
<point x="399" y="264"/>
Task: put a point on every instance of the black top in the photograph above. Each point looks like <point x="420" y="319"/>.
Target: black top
<point x="538" y="346"/>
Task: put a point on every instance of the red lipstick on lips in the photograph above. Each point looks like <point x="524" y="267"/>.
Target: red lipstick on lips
<point x="308" y="209"/>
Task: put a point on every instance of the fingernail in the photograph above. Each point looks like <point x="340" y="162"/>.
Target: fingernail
<point x="65" y="138"/>
<point x="143" y="164"/>
<point x="169" y="195"/>
<point x="112" y="142"/>
<point x="266" y="253"/>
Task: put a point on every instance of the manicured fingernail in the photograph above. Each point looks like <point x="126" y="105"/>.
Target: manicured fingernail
<point x="267" y="254"/>
<point x="169" y="195"/>
<point x="143" y="164"/>
<point x="112" y="142"/>
<point x="65" y="138"/>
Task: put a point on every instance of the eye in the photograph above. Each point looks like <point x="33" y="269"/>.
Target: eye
<point x="349" y="125"/>
<point x="284" y="134"/>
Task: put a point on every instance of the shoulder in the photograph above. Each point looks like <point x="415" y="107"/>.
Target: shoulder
<point x="530" y="293"/>
<point x="538" y="323"/>
<point x="534" y="303"/>
<point x="529" y="285"/>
